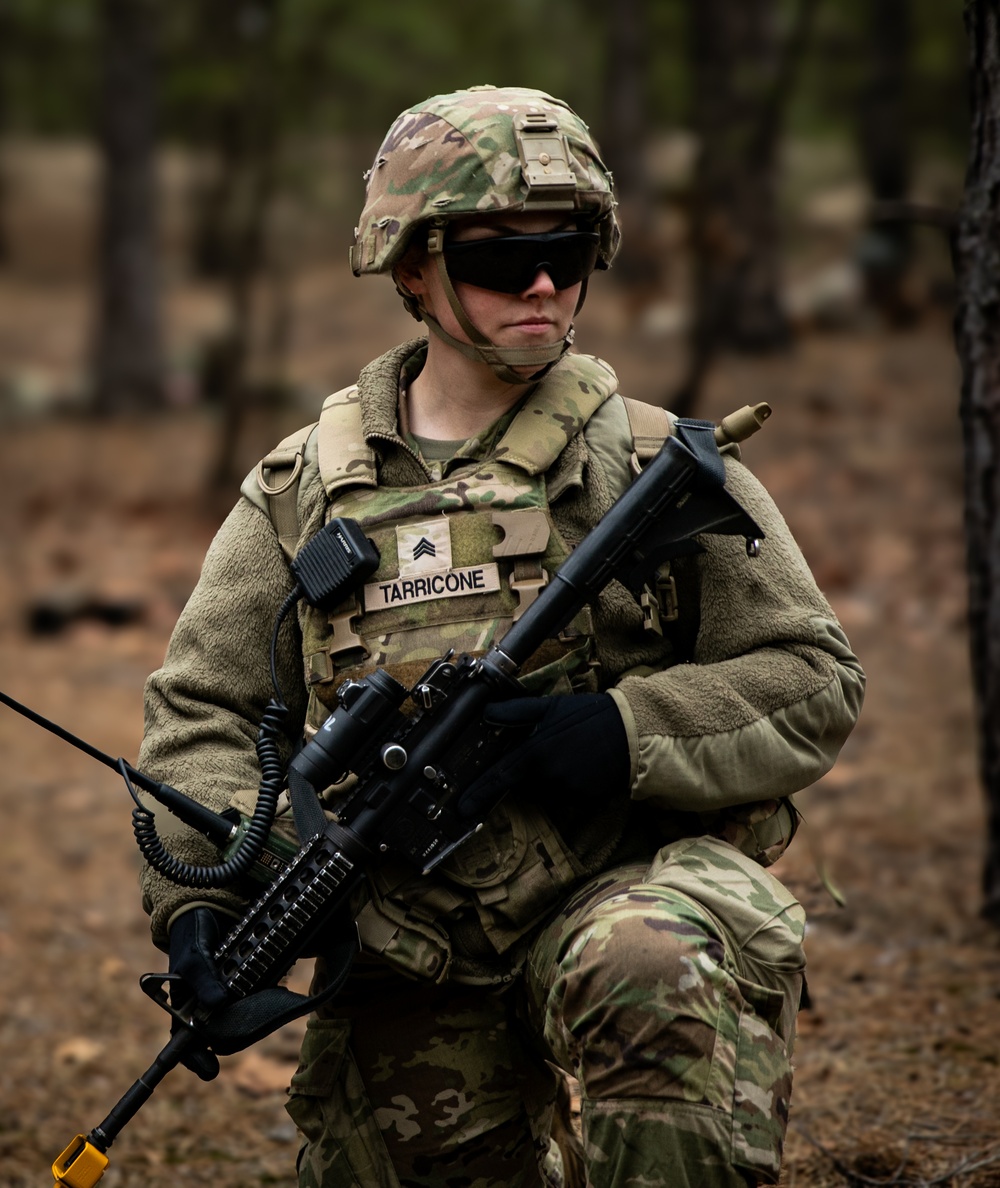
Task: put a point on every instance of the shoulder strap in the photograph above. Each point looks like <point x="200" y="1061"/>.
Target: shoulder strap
<point x="345" y="457"/>
<point x="556" y="411"/>
<point x="341" y="453"/>
<point x="279" y="474"/>
<point x="650" y="427"/>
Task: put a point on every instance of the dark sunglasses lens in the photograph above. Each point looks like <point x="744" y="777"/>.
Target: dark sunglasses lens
<point x="510" y="263"/>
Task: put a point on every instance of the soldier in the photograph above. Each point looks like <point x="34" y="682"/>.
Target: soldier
<point x="614" y="918"/>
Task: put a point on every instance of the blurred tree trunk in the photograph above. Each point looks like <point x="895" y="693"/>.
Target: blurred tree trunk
<point x="232" y="238"/>
<point x="7" y="50"/>
<point x="623" y="134"/>
<point x="884" y="140"/>
<point x="248" y="253"/>
<point x="742" y="79"/>
<point x="128" y="357"/>
<point x="977" y="328"/>
<point x="623" y="137"/>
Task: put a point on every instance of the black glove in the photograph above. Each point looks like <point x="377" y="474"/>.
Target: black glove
<point x="570" y="752"/>
<point x="194" y="937"/>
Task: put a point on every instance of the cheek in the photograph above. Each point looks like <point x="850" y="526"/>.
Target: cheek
<point x="434" y="300"/>
<point x="491" y="311"/>
<point x="482" y="305"/>
<point x="567" y="299"/>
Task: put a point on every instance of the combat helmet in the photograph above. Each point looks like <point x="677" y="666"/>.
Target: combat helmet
<point x="477" y="151"/>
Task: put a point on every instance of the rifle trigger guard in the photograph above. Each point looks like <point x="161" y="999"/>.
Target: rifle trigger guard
<point x="153" y="985"/>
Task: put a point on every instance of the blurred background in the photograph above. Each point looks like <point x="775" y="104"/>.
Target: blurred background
<point x="178" y="187"/>
<point x="179" y="181"/>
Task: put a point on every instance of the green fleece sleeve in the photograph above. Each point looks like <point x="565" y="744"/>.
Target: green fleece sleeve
<point x="773" y="689"/>
<point x="204" y="705"/>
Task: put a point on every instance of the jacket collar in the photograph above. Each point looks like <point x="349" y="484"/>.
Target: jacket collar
<point x="552" y="415"/>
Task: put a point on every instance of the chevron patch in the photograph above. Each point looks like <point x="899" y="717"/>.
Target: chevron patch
<point x="424" y="547"/>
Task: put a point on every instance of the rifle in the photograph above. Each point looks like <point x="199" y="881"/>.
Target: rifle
<point x="409" y="769"/>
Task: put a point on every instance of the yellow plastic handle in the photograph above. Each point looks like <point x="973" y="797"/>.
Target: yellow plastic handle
<point x="81" y="1165"/>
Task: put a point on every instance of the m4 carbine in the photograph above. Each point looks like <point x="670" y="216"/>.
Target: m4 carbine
<point x="410" y="769"/>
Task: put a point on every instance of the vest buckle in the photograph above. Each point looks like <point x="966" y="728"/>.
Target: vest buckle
<point x="527" y="586"/>
<point x="660" y="605"/>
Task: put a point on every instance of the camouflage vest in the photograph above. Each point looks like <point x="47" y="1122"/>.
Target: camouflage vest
<point x="460" y="560"/>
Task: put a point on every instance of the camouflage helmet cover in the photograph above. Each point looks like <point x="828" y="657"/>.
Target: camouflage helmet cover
<point x="475" y="151"/>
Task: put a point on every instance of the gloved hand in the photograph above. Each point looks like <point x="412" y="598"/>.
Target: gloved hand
<point x="570" y="751"/>
<point x="194" y="937"/>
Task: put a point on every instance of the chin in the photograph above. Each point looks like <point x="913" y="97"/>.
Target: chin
<point x="528" y="373"/>
<point x="522" y="338"/>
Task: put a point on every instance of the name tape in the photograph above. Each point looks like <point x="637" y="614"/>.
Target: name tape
<point x="449" y="583"/>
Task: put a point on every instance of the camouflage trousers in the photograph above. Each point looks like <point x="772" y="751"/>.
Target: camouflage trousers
<point x="668" y="990"/>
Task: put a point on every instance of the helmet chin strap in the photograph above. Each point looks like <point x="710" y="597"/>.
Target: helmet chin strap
<point x="500" y="360"/>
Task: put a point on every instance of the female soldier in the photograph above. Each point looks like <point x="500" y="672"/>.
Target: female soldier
<point x="614" y="917"/>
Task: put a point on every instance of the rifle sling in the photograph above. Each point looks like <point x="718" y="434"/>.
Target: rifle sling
<point x="244" y="1022"/>
<point x="307" y="808"/>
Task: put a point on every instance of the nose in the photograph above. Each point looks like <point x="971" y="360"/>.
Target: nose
<point x="541" y="286"/>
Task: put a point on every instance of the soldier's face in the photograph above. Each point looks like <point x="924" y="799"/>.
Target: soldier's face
<point x="539" y="313"/>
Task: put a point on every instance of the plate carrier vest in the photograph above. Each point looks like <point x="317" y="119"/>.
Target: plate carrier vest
<point x="460" y="560"/>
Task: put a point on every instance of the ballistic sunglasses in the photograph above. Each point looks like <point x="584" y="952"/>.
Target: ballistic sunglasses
<point x="510" y="263"/>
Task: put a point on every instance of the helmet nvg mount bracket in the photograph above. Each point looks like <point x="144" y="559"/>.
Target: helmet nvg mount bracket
<point x="474" y="152"/>
<point x="544" y="157"/>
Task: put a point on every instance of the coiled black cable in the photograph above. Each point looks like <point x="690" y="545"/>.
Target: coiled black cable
<point x="272" y="783"/>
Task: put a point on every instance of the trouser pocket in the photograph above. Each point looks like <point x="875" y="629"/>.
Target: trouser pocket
<point x="761" y="925"/>
<point x="328" y="1103"/>
<point x="762" y="1081"/>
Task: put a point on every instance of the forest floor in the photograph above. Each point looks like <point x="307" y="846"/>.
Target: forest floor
<point x="898" y="1059"/>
